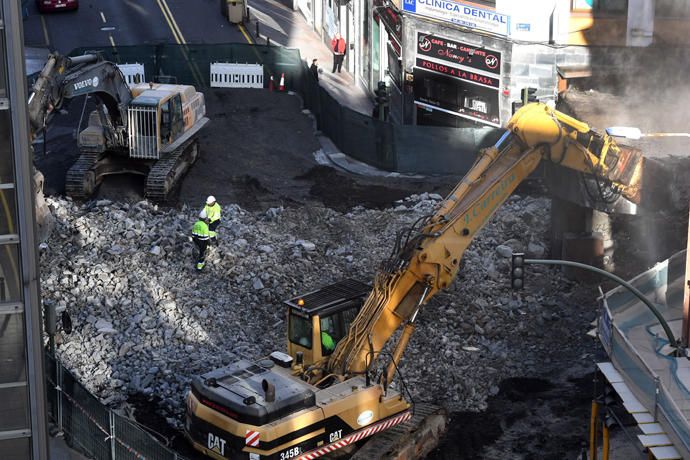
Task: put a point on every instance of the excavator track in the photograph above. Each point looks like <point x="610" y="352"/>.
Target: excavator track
<point x="167" y="171"/>
<point x="81" y="177"/>
<point x="411" y="440"/>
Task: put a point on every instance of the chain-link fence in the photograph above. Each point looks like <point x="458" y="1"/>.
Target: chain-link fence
<point x="393" y="147"/>
<point x="93" y="429"/>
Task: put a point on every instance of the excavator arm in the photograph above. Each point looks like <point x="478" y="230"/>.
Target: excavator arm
<point x="426" y="258"/>
<point x="65" y="77"/>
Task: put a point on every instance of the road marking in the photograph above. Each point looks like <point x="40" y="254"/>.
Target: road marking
<point x="179" y="38"/>
<point x="103" y="17"/>
<point x="246" y="35"/>
<point x="45" y="30"/>
<point x="112" y="42"/>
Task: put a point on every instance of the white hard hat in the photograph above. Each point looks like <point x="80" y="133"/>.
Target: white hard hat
<point x="210" y="199"/>
<point x="202" y="214"/>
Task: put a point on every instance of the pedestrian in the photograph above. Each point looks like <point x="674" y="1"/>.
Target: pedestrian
<point x="339" y="48"/>
<point x="314" y="69"/>
<point x="213" y="212"/>
<point x="200" y="235"/>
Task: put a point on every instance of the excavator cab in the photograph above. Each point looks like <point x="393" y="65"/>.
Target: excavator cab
<point x="318" y="320"/>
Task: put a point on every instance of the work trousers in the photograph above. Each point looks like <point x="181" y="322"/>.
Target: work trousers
<point x="201" y="245"/>
<point x="338" y="61"/>
<point x="212" y="226"/>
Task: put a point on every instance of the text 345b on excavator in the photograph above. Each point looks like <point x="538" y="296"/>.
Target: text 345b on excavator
<point x="146" y="128"/>
<point x="313" y="400"/>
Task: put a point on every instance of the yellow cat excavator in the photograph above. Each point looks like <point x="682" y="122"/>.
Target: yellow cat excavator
<point x="332" y="389"/>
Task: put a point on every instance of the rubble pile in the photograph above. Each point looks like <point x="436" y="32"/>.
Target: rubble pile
<point x="145" y="322"/>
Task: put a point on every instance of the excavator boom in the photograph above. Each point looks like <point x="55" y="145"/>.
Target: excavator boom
<point x="429" y="258"/>
<point x="65" y="77"/>
<point x="308" y="402"/>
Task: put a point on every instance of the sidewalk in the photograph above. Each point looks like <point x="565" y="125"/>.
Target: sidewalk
<point x="288" y="28"/>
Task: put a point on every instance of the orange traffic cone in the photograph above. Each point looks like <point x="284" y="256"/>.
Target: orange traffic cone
<point x="270" y="84"/>
<point x="281" y="87"/>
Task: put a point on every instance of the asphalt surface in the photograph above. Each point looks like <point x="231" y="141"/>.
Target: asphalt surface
<point x="130" y="22"/>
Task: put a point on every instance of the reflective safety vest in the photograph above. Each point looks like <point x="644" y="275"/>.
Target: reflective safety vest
<point x="213" y="212"/>
<point x="327" y="341"/>
<point x="200" y="230"/>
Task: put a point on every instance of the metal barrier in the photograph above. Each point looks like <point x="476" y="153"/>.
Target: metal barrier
<point x="405" y="149"/>
<point x="92" y="428"/>
<point x="134" y="73"/>
<point x="230" y="75"/>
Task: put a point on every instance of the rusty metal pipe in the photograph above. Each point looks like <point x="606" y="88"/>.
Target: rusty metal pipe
<point x="593" y="421"/>
<point x="605" y="445"/>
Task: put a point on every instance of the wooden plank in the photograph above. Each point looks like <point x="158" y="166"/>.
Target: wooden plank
<point x="665" y="453"/>
<point x="610" y="372"/>
<point x="624" y="392"/>
<point x="651" y="428"/>
<point x="653" y="440"/>
<point x="643" y="417"/>
<point x="634" y="406"/>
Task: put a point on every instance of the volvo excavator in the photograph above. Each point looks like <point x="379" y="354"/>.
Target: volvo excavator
<point x="146" y="128"/>
<point x="313" y="400"/>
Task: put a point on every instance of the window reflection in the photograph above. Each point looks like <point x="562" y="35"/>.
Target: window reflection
<point x="12" y="351"/>
<point x="14" y="411"/>
<point x="15" y="449"/>
<point x="8" y="211"/>
<point x="6" y="161"/>
<point x="9" y="273"/>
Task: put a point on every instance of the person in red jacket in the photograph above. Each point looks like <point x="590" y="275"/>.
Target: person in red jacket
<point x="339" y="47"/>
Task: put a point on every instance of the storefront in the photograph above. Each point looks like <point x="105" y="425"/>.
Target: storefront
<point x="458" y="79"/>
<point x="456" y="63"/>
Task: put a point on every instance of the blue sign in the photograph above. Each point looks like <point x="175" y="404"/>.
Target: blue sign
<point x="460" y="13"/>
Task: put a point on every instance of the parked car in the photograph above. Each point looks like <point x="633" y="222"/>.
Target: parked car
<point x="48" y="6"/>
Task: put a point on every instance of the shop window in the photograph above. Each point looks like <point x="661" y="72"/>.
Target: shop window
<point x="375" y="52"/>
<point x="394" y="66"/>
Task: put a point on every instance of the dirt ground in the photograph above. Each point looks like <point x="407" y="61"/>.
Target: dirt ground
<point x="258" y="152"/>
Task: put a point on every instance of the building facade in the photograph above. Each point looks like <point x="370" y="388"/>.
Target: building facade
<point x="460" y="63"/>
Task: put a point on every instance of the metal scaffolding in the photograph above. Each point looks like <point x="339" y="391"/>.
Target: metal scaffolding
<point x="23" y="420"/>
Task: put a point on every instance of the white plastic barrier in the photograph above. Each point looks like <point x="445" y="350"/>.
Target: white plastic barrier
<point x="134" y="73"/>
<point x="229" y="75"/>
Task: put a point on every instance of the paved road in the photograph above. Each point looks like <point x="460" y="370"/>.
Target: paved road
<point x="130" y="22"/>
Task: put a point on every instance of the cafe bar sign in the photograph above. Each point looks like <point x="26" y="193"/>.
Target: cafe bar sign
<point x="458" y="53"/>
<point x="462" y="14"/>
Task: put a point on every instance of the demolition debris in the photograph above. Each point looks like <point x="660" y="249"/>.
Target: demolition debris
<point x="144" y="322"/>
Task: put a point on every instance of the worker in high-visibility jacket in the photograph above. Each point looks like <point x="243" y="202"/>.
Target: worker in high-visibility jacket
<point x="212" y="209"/>
<point x="201" y="235"/>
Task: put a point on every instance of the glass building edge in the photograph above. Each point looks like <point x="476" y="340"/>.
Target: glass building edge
<point x="35" y="402"/>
